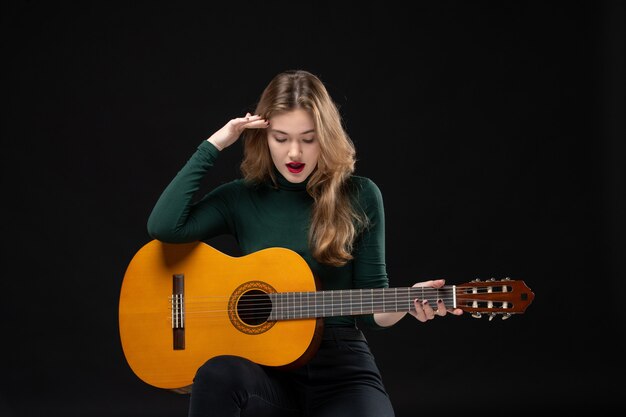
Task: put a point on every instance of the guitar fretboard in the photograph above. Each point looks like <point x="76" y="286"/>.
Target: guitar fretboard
<point x="305" y="305"/>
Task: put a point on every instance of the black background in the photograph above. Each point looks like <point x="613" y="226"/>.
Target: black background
<point x="495" y="131"/>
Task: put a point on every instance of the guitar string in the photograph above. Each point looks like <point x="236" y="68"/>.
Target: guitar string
<point x="219" y="316"/>
<point x="300" y="309"/>
<point x="333" y="304"/>
<point x="296" y="298"/>
<point x="303" y="306"/>
<point x="430" y="292"/>
<point x="308" y="299"/>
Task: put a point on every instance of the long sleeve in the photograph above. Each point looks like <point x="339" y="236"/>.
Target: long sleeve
<point x="370" y="269"/>
<point x="176" y="218"/>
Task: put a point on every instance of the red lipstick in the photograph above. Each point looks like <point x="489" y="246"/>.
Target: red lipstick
<point x="295" y="167"/>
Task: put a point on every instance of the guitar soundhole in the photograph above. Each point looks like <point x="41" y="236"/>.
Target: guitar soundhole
<point x="250" y="306"/>
<point x="254" y="307"/>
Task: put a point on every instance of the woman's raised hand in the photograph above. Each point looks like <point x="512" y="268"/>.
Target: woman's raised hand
<point x="232" y="130"/>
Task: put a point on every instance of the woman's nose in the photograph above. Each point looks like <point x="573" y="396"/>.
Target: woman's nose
<point x="295" y="150"/>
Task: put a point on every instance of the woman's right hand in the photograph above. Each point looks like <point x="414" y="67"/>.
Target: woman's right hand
<point x="232" y="130"/>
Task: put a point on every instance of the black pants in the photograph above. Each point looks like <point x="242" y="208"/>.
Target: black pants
<point x="341" y="380"/>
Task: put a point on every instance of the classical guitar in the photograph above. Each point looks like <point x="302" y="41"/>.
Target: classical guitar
<point x="181" y="304"/>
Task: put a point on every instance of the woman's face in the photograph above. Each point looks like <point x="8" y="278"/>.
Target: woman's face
<point x="293" y="144"/>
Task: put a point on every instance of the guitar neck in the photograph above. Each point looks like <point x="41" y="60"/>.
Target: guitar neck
<point x="314" y="304"/>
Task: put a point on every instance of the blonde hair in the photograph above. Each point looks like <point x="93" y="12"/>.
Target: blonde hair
<point x="334" y="220"/>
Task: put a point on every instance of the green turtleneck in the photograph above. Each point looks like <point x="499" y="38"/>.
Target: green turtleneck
<point x="262" y="216"/>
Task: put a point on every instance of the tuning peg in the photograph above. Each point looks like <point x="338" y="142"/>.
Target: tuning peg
<point x="476" y="315"/>
<point x="492" y="279"/>
<point x="491" y="316"/>
<point x="506" y="316"/>
<point x="507" y="279"/>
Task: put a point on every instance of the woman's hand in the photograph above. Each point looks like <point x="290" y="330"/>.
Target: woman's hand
<point x="424" y="309"/>
<point x="232" y="130"/>
<point x="427" y="309"/>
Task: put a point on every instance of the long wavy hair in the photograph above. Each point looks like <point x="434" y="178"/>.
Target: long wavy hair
<point x="335" y="222"/>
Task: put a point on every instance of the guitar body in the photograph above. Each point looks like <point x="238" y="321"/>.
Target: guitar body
<point x="213" y="322"/>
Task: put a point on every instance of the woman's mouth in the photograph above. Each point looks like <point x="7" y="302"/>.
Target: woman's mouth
<point x="295" y="167"/>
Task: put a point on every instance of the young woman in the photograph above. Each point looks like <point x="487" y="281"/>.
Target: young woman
<point x="298" y="190"/>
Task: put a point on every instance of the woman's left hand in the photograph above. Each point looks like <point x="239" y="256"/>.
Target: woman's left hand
<point x="427" y="309"/>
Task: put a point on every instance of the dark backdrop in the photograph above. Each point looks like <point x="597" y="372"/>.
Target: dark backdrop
<point x="494" y="129"/>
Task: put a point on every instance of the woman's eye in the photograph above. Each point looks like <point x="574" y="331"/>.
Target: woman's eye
<point x="308" y="140"/>
<point x="280" y="140"/>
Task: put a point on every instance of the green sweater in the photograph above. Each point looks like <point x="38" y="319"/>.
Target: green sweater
<point x="262" y="216"/>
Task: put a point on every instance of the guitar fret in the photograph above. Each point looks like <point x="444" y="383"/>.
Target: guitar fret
<point x="286" y="306"/>
<point x="361" y="299"/>
<point x="340" y="294"/>
<point x="350" y="299"/>
<point x="330" y="304"/>
<point x="329" y="310"/>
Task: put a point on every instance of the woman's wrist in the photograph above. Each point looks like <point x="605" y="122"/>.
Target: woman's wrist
<point x="218" y="147"/>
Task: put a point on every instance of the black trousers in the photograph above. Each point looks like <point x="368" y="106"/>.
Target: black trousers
<point x="341" y="380"/>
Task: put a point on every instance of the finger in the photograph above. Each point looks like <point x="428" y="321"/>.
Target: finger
<point x="249" y="119"/>
<point x="438" y="283"/>
<point x="441" y="308"/>
<point x="257" y="124"/>
<point x="435" y="283"/>
<point x="428" y="310"/>
<point x="456" y="311"/>
<point x="419" y="311"/>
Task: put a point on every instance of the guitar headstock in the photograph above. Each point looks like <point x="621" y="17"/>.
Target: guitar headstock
<point x="503" y="297"/>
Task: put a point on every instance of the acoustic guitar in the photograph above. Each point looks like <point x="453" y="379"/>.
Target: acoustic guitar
<point x="182" y="304"/>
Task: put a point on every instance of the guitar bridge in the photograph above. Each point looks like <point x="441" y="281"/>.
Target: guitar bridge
<point x="178" y="311"/>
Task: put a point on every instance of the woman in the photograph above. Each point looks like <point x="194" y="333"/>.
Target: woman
<point x="298" y="191"/>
